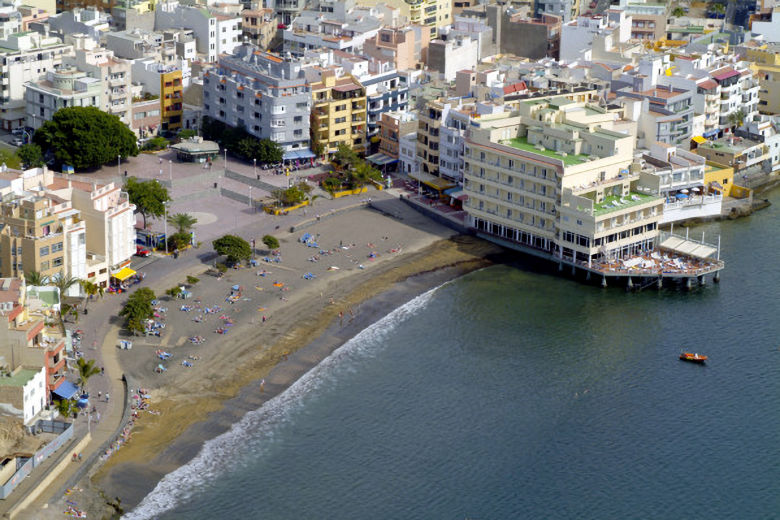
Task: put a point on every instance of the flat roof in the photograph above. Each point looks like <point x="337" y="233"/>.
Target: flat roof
<point x="521" y="143"/>
<point x="19" y="378"/>
<point x="613" y="202"/>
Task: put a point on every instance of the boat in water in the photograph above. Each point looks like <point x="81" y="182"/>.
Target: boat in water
<point x="693" y="357"/>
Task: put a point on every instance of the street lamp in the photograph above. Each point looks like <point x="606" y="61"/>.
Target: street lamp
<point x="118" y="167"/>
<point x="165" y="221"/>
<point x="170" y="171"/>
<point x="225" y="161"/>
<point x="251" y="206"/>
<point x="254" y="167"/>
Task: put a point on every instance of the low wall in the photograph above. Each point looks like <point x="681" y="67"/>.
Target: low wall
<point x="441" y="219"/>
<point x="279" y="211"/>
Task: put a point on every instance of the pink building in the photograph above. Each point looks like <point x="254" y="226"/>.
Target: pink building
<point x="406" y="47"/>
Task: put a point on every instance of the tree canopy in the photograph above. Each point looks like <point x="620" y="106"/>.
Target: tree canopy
<point x="183" y="222"/>
<point x="137" y="309"/>
<point x="234" y="248"/>
<point x="31" y="155"/>
<point x="292" y="195"/>
<point x="87" y="369"/>
<point x="271" y="242"/>
<point x="85" y="137"/>
<point x="148" y="197"/>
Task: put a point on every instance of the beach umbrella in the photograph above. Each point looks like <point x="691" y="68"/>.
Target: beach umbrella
<point x="682" y="196"/>
<point x="684" y="191"/>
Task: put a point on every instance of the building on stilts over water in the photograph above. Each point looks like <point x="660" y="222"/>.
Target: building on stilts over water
<point x="556" y="179"/>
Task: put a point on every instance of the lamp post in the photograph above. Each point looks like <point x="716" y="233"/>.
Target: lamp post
<point x="170" y="172"/>
<point x="251" y="206"/>
<point x="118" y="167"/>
<point x="254" y="167"/>
<point x="165" y="221"/>
<point x="225" y="161"/>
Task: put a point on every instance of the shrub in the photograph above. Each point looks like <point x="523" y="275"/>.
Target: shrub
<point x="192" y="280"/>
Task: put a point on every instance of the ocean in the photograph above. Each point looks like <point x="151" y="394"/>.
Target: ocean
<point x="515" y="393"/>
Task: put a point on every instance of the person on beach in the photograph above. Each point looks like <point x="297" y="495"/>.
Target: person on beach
<point x="341" y="318"/>
<point x="264" y="318"/>
<point x="107" y="396"/>
<point x="262" y="385"/>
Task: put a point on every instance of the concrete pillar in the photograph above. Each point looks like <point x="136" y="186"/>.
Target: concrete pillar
<point x="702" y="280"/>
<point x="716" y="278"/>
<point x="688" y="284"/>
<point x="587" y="275"/>
<point x="660" y="282"/>
<point x="629" y="284"/>
<point x="560" y="266"/>
<point x="603" y="281"/>
<point x="573" y="270"/>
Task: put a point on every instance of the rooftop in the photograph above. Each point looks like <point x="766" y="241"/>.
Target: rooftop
<point x="615" y="203"/>
<point x="521" y="143"/>
<point x="19" y="378"/>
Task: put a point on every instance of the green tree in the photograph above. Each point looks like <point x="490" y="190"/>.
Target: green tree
<point x="31" y="155"/>
<point x="678" y="12"/>
<point x="138" y="309"/>
<point x="90" y="289"/>
<point x="233" y="247"/>
<point x="362" y="173"/>
<point x="719" y="8"/>
<point x="65" y="407"/>
<point x="85" y="137"/>
<point x="173" y="292"/>
<point x="155" y="143"/>
<point x="178" y="241"/>
<point x="192" y="280"/>
<point x="292" y="195"/>
<point x="63" y="283"/>
<point x="183" y="222"/>
<point x="345" y="156"/>
<point x="270" y="151"/>
<point x="35" y="278"/>
<point x="736" y="119"/>
<point x="87" y="369"/>
<point x="10" y="159"/>
<point x="331" y="184"/>
<point x="187" y="133"/>
<point x="271" y="242"/>
<point x="148" y="197"/>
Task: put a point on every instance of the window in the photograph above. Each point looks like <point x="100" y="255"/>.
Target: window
<point x="56" y="247"/>
<point x="44" y="265"/>
<point x="44" y="251"/>
<point x="57" y="262"/>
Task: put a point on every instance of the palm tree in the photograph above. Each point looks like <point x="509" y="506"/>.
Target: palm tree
<point x="736" y="118"/>
<point x="65" y="407"/>
<point x="90" y="289"/>
<point x="719" y="8"/>
<point x="678" y="12"/>
<point x="87" y="369"/>
<point x="36" y="278"/>
<point x="63" y="283"/>
<point x="183" y="222"/>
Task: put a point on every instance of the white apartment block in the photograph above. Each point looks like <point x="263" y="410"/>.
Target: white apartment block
<point x="578" y="36"/>
<point x="63" y="87"/>
<point x="556" y="179"/>
<point x="24" y="57"/>
<point x="216" y="33"/>
<point x="346" y="29"/>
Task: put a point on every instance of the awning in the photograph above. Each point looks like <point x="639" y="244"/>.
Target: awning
<point x="453" y="192"/>
<point x="710" y="133"/>
<point x="698" y="139"/>
<point x="66" y="390"/>
<point x="381" y="159"/>
<point x="421" y="176"/>
<point x="298" y="154"/>
<point x="123" y="274"/>
<point x="439" y="184"/>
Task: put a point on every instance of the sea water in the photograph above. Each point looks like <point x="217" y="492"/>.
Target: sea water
<point x="511" y="393"/>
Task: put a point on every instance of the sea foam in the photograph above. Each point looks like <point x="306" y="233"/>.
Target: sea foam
<point x="257" y="426"/>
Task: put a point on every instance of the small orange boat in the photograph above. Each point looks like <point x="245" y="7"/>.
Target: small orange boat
<point x="693" y="357"/>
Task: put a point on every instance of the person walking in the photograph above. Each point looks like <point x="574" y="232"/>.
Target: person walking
<point x="107" y="396"/>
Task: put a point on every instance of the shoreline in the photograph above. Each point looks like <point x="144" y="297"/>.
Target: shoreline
<point x="163" y="443"/>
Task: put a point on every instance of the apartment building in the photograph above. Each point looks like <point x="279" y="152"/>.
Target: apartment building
<point x="409" y="162"/>
<point x="44" y="234"/>
<point x="171" y="100"/>
<point x="431" y="13"/>
<point x="682" y="185"/>
<point x="765" y="64"/>
<point x="738" y="152"/>
<point x="555" y="178"/>
<point x="259" y="26"/>
<point x="114" y="76"/>
<point x="63" y="87"/>
<point x="27" y="343"/>
<point x="344" y="28"/>
<point x="216" y="32"/>
<point x="406" y="47"/>
<point x="587" y="37"/>
<point x="648" y="19"/>
<point x="286" y="10"/>
<point x="24" y="57"/>
<point x="392" y="127"/>
<point x="566" y="9"/>
<point x="450" y="56"/>
<point x="338" y="113"/>
<point x="263" y="93"/>
<point x="738" y="93"/>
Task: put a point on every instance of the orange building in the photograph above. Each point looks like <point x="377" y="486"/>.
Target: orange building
<point x="171" y="99"/>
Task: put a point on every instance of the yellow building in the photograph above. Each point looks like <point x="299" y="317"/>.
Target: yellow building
<point x="719" y="177"/>
<point x="338" y="113"/>
<point x="433" y="13"/>
<point x="171" y="99"/>
<point x="766" y="67"/>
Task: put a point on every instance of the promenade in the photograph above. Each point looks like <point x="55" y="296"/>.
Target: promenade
<point x="192" y="189"/>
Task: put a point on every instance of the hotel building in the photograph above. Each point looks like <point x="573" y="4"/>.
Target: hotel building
<point x="553" y="177"/>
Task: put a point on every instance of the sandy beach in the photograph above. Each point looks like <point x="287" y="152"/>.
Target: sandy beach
<point x="285" y="318"/>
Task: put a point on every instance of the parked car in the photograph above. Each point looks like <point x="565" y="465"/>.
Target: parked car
<point x="18" y="141"/>
<point x="142" y="251"/>
<point x="18" y="131"/>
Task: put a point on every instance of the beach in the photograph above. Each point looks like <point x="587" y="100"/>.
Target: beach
<point x="285" y="317"/>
